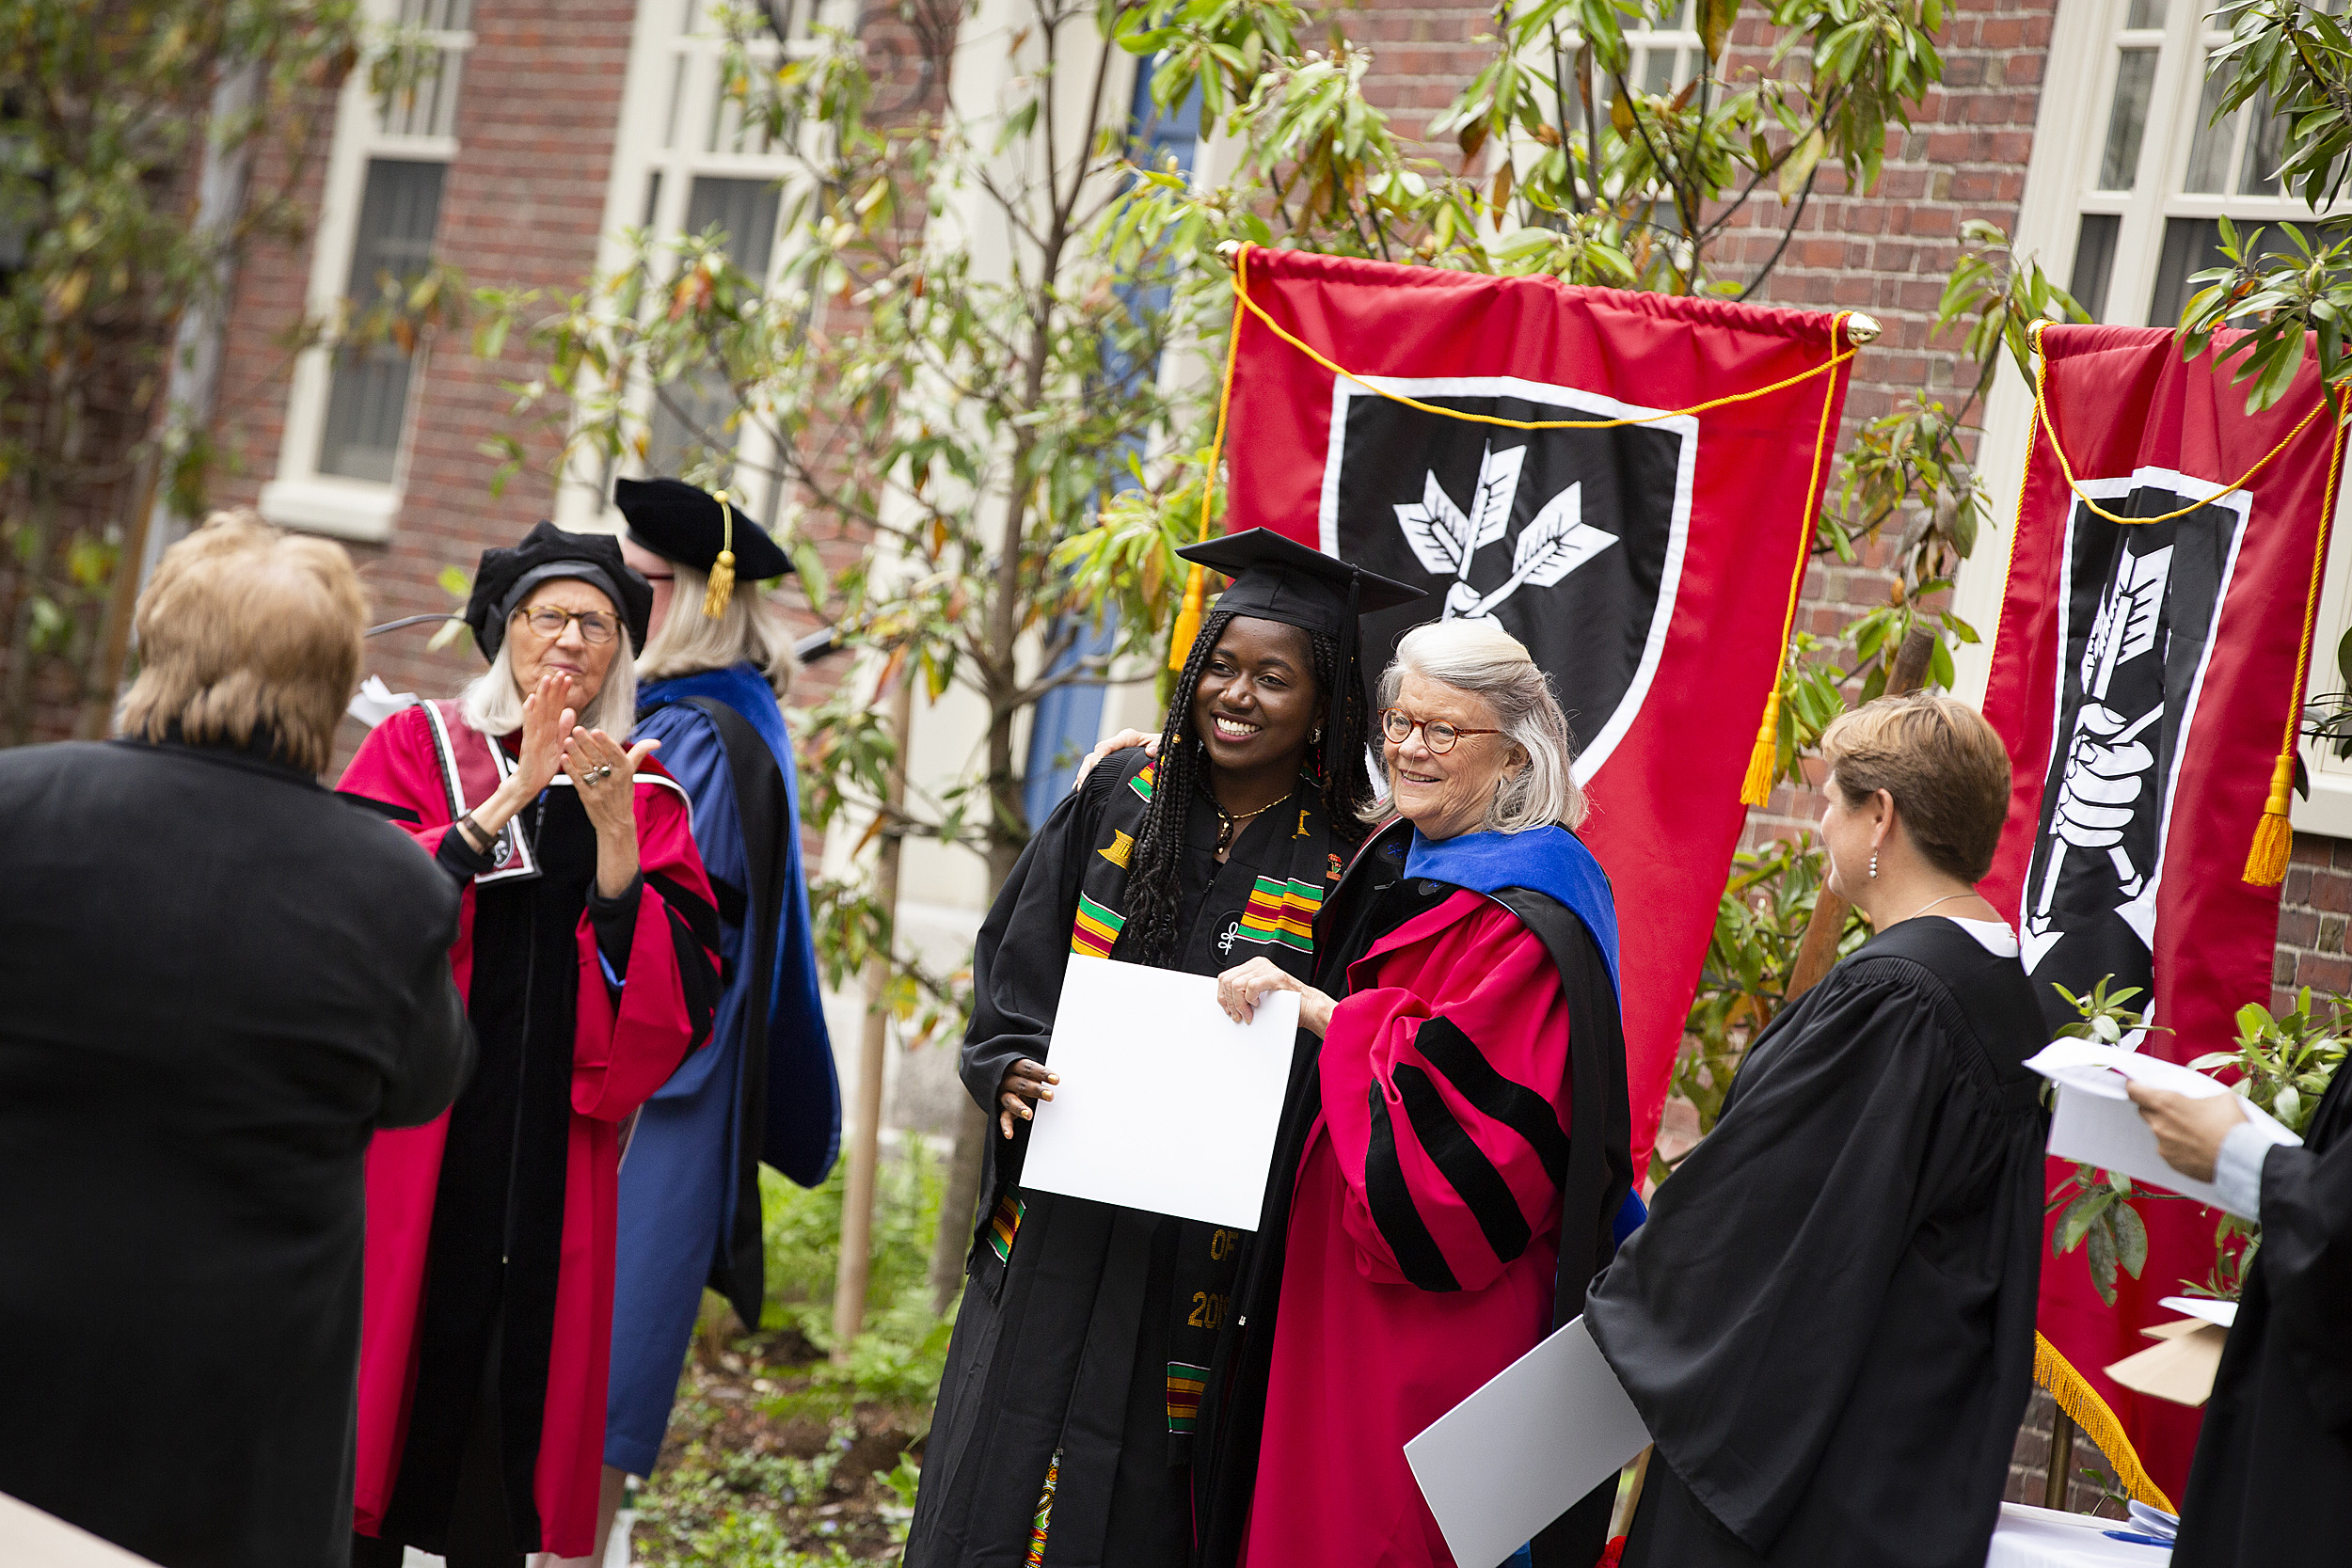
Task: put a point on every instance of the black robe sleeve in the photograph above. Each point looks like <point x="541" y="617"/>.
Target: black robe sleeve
<point x="2306" y="1262"/>
<point x="438" y="1053"/>
<point x="1023" y="946"/>
<point x="2272" y="1480"/>
<point x="1752" y="1320"/>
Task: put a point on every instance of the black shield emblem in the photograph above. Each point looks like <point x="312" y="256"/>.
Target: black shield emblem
<point x="1571" y="540"/>
<point x="2136" y="625"/>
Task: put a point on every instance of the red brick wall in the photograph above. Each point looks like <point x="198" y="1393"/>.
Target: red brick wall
<point x="521" y="209"/>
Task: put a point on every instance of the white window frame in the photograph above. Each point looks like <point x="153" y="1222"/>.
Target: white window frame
<point x="2061" y="180"/>
<point x="672" y="83"/>
<point x="300" y="496"/>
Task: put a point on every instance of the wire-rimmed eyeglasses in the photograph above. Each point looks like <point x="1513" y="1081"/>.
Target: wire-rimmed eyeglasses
<point x="1436" y="734"/>
<point x="549" y="622"/>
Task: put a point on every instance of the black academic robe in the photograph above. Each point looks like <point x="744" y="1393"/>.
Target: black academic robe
<point x="1827" y="1322"/>
<point x="216" y="980"/>
<point x="2272" y="1480"/>
<point x="1074" y="1338"/>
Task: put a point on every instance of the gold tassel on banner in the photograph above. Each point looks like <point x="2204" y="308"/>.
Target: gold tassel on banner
<point x="2274" y="834"/>
<point x="721" y="570"/>
<point x="1764" y="761"/>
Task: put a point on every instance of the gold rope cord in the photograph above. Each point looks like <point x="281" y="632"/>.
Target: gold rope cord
<point x="2049" y="428"/>
<point x="1241" y="297"/>
<point x="1764" y="759"/>
<point x="1196" y="581"/>
<point x="1188" y="619"/>
<point x="2274" y="834"/>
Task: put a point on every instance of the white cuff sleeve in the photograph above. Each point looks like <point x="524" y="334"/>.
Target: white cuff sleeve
<point x="2237" y="1170"/>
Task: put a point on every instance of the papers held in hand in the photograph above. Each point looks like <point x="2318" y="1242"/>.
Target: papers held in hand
<point x="1526" y="1447"/>
<point x="2096" y="1122"/>
<point x="1165" y="1103"/>
<point x="2181" y="1366"/>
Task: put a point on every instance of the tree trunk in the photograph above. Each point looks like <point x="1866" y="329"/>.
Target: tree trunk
<point x="959" y="1205"/>
<point x="857" y="1200"/>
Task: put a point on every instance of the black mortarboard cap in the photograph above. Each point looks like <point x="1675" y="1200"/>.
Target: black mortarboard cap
<point x="1278" y="579"/>
<point x="548" y="551"/>
<point x="679" y="523"/>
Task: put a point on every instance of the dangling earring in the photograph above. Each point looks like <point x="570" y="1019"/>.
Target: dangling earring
<point x="1874" y="865"/>
<point x="1316" y="738"/>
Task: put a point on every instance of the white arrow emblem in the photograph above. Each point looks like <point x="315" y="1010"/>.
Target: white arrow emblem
<point x="1555" y="541"/>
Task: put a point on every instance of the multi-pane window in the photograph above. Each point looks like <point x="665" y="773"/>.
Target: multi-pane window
<point x="400" y="208"/>
<point x="2159" y="174"/>
<point x="348" y="413"/>
<point x="688" y="161"/>
<point x="368" y="399"/>
<point x="689" y="415"/>
<point x="1663" y="58"/>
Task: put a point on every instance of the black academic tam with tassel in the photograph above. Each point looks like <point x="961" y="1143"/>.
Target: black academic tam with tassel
<point x="1278" y="579"/>
<point x="698" y="529"/>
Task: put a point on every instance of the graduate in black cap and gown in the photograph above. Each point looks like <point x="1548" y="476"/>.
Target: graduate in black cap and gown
<point x="586" y="952"/>
<point x="1064" y="1429"/>
<point x="717" y="656"/>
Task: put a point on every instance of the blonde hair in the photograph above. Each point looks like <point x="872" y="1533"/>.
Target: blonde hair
<point x="1480" y="658"/>
<point x="1943" y="764"/>
<point x="493" y="703"/>
<point x="243" y="632"/>
<point x="687" y="641"/>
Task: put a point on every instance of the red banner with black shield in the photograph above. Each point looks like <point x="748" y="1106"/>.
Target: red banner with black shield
<point x="2146" y="675"/>
<point x="1627" y="483"/>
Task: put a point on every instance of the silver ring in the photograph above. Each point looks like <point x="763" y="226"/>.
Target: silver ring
<point x="601" y="771"/>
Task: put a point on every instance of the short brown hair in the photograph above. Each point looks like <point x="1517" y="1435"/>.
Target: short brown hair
<point x="244" y="629"/>
<point x="1947" y="769"/>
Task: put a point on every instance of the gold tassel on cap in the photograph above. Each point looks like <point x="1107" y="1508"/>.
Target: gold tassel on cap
<point x="721" y="570"/>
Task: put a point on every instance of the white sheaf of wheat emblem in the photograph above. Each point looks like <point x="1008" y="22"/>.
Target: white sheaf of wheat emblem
<point x="1555" y="541"/>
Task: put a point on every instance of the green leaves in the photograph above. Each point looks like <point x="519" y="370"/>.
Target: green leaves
<point x="2096" y="1213"/>
<point x="2284" y="1063"/>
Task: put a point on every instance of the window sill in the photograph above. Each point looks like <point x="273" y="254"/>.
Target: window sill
<point x="340" y="508"/>
<point x="2328" y="811"/>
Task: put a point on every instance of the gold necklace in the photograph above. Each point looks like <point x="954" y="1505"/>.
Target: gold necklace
<point x="1228" y="821"/>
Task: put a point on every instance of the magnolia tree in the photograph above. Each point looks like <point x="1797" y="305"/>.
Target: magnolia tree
<point x="960" y="368"/>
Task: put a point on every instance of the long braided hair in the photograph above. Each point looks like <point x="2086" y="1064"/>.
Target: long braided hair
<point x="1154" y="876"/>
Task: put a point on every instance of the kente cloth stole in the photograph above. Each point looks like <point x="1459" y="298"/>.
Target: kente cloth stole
<point x="1279" y="917"/>
<point x="1278" y="921"/>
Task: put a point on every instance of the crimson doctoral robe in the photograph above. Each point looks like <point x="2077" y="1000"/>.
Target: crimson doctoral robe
<point x="1424" y="1230"/>
<point x="490" y="1229"/>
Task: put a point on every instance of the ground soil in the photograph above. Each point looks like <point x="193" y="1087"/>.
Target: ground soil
<point x="770" y="1455"/>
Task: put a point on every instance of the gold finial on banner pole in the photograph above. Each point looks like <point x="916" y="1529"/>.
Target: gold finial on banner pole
<point x="1228" y="251"/>
<point x="1862" y="329"/>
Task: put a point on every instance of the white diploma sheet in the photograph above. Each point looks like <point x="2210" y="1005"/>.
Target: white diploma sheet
<point x="1525" y="1449"/>
<point x="2096" y="1122"/>
<point x="1165" y="1103"/>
